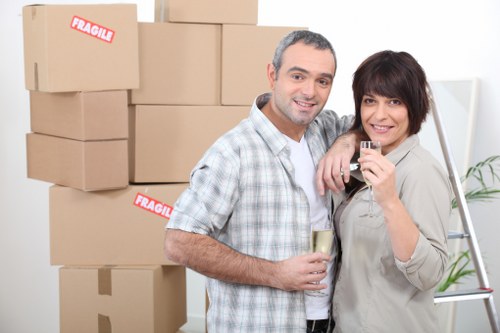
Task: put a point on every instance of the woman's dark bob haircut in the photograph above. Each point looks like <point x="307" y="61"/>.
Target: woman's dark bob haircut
<point x="393" y="75"/>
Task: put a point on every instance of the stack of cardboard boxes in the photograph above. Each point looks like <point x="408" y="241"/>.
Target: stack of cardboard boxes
<point x="80" y="63"/>
<point x="121" y="112"/>
<point x="200" y="71"/>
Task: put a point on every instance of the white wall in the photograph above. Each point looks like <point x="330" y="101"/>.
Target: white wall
<point x="450" y="38"/>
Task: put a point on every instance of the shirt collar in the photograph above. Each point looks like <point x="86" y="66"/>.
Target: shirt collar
<point x="264" y="127"/>
<point x="403" y="149"/>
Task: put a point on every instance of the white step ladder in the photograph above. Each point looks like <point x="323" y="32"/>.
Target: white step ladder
<point x="483" y="291"/>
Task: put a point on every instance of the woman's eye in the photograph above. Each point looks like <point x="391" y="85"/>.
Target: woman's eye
<point x="395" y="102"/>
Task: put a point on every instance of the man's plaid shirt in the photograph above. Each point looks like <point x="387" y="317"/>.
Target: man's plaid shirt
<point x="243" y="194"/>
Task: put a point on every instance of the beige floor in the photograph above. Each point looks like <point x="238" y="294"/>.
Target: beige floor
<point x="190" y="331"/>
<point x="193" y="327"/>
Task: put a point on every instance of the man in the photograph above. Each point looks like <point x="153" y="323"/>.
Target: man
<point x="246" y="218"/>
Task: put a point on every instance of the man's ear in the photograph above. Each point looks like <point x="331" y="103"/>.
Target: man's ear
<point x="271" y="75"/>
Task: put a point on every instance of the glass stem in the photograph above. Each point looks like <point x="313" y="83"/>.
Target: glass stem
<point x="370" y="203"/>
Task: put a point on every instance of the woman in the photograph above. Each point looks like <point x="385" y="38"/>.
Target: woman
<point x="391" y="262"/>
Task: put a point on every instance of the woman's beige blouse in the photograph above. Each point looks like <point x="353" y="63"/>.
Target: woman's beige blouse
<point x="375" y="292"/>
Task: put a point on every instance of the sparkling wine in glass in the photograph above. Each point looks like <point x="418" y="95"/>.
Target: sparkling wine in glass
<point x="375" y="145"/>
<point x="321" y="241"/>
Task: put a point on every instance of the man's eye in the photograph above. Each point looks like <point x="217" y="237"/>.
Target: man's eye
<point x="324" y="82"/>
<point x="296" y="76"/>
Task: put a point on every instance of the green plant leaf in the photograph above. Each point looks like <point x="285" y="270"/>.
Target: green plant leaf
<point x="492" y="164"/>
<point x="481" y="194"/>
<point x="456" y="271"/>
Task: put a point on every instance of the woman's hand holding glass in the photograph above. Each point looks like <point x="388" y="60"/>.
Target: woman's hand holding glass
<point x="380" y="173"/>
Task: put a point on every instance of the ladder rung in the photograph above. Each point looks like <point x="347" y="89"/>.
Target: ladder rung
<point x="456" y="234"/>
<point x="462" y="295"/>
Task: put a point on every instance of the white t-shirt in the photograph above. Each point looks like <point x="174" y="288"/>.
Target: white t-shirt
<point x="317" y="306"/>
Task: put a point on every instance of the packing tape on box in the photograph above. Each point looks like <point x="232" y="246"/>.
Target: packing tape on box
<point x="103" y="324"/>
<point x="104" y="280"/>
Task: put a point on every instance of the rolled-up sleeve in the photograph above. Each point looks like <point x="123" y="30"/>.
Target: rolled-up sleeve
<point x="426" y="194"/>
<point x="205" y="206"/>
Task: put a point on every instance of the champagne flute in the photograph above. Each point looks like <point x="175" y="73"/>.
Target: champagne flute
<point x="375" y="145"/>
<point x="321" y="241"/>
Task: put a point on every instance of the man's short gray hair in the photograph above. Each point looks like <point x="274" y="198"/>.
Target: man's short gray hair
<point x="304" y="36"/>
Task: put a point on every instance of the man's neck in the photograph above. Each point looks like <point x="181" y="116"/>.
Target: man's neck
<point x="283" y="124"/>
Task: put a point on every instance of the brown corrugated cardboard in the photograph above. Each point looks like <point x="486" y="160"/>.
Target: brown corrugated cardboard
<point x="84" y="165"/>
<point x="98" y="115"/>
<point x="81" y="47"/>
<point x="122" y="299"/>
<point x="246" y="51"/>
<point x="179" y="64"/>
<point x="167" y="141"/>
<point x="118" y="227"/>
<point x="212" y="11"/>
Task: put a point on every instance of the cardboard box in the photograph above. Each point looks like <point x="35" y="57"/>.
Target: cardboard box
<point x="99" y="115"/>
<point x="119" y="299"/>
<point x="118" y="227"/>
<point x="209" y="11"/>
<point x="246" y="52"/>
<point x="80" y="47"/>
<point x="166" y="141"/>
<point x="180" y="64"/>
<point x="84" y="165"/>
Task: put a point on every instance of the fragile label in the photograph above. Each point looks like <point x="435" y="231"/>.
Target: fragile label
<point x="92" y="29"/>
<point x="153" y="206"/>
